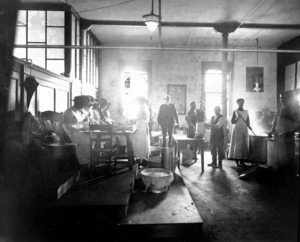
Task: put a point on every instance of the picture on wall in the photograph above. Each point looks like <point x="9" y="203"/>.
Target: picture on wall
<point x="178" y="97"/>
<point x="254" y="79"/>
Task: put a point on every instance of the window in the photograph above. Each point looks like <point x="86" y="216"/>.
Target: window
<point x="41" y="28"/>
<point x="134" y="84"/>
<point x="213" y="91"/>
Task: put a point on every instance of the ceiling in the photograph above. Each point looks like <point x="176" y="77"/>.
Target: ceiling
<point x="189" y="23"/>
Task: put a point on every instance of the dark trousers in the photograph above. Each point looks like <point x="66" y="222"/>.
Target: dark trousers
<point x="216" y="147"/>
<point x="167" y="128"/>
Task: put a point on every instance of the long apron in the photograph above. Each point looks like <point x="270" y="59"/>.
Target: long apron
<point x="141" y="139"/>
<point x="239" y="142"/>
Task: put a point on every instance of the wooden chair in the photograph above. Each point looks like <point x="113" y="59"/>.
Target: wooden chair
<point x="103" y="153"/>
<point x="60" y="159"/>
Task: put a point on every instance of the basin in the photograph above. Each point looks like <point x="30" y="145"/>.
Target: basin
<point x="157" y="180"/>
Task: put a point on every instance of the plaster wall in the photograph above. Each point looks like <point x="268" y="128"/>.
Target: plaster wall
<point x="185" y="67"/>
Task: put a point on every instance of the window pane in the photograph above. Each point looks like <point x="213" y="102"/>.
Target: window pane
<point x="73" y="30"/>
<point x="78" y="33"/>
<point x="55" y="54"/>
<point x="213" y="81"/>
<point x="56" y="66"/>
<point x="212" y="100"/>
<point x="61" y="101"/>
<point x="55" y="18"/>
<point x="36" y="26"/>
<point x="21" y="19"/>
<point x="37" y="56"/>
<point x="20" y="52"/>
<point x="20" y="38"/>
<point x="77" y="63"/>
<point x="45" y="98"/>
<point x="73" y="63"/>
<point x="55" y="36"/>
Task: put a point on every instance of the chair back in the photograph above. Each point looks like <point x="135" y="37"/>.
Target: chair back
<point x="105" y="136"/>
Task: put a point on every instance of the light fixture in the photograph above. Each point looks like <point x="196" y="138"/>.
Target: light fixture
<point x="151" y="20"/>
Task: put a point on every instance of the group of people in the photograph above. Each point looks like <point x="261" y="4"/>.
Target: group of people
<point x="197" y="124"/>
<point x="286" y="122"/>
<point x="86" y="109"/>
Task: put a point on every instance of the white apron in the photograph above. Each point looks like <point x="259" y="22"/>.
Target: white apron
<point x="239" y="142"/>
<point x="141" y="140"/>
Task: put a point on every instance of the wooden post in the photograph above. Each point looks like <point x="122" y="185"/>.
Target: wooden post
<point x="224" y="73"/>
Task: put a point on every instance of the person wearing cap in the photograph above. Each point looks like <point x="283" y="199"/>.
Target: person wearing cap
<point x="166" y="118"/>
<point x="89" y="107"/>
<point x="95" y="117"/>
<point x="239" y="146"/>
<point x="74" y="120"/>
<point x="104" y="112"/>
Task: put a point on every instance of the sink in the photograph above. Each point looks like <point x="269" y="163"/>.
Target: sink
<point x="157" y="180"/>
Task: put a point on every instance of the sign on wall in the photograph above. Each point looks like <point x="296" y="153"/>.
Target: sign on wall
<point x="254" y="79"/>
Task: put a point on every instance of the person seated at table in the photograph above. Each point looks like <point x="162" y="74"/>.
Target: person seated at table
<point x="165" y="118"/>
<point x="104" y="112"/>
<point x="218" y="137"/>
<point x="89" y="108"/>
<point x="141" y="137"/>
<point x="95" y="117"/>
<point x="75" y="120"/>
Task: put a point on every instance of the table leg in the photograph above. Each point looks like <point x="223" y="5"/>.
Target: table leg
<point x="202" y="154"/>
<point x="129" y="151"/>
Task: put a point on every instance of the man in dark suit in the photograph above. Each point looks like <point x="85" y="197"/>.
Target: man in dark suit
<point x="166" y="118"/>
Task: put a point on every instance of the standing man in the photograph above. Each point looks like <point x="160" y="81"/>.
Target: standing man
<point x="218" y="137"/>
<point x="166" y="116"/>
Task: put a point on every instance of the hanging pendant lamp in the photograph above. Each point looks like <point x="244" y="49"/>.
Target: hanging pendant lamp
<point x="151" y="20"/>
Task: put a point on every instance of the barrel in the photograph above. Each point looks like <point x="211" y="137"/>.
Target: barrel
<point x="167" y="158"/>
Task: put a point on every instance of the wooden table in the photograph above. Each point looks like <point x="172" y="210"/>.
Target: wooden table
<point x="164" y="215"/>
<point x="181" y="142"/>
<point x="127" y="134"/>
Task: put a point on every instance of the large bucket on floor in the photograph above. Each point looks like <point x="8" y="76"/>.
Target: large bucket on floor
<point x="167" y="158"/>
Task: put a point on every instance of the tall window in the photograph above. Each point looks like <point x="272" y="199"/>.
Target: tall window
<point x="135" y="84"/>
<point x="41" y="28"/>
<point x="213" y="91"/>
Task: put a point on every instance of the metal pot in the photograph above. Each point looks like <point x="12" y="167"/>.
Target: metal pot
<point x="258" y="148"/>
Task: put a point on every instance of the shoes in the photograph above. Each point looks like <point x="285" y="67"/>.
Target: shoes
<point x="213" y="164"/>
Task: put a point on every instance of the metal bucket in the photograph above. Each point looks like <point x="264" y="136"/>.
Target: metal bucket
<point x="167" y="158"/>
